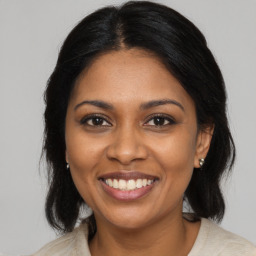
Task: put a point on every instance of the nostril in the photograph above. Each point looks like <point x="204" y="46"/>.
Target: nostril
<point x="125" y="153"/>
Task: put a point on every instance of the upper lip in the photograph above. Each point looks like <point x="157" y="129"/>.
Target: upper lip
<point x="127" y="175"/>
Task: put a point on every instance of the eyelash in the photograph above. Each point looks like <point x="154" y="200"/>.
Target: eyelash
<point x="87" y="119"/>
<point x="165" y="118"/>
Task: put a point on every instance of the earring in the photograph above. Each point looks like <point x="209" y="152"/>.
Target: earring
<point x="201" y="162"/>
<point x="67" y="166"/>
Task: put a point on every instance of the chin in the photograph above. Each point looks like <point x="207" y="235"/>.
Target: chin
<point x="127" y="219"/>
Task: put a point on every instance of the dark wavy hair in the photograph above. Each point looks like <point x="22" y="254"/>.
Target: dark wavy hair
<point x="183" y="50"/>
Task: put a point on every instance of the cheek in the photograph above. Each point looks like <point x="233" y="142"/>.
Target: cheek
<point x="83" y="153"/>
<point x="176" y="157"/>
<point x="84" y="158"/>
<point x="83" y="176"/>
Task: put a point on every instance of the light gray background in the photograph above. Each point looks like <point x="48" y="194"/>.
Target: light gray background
<point x="31" y="33"/>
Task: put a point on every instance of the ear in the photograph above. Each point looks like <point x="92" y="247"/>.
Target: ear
<point x="203" y="143"/>
<point x="66" y="156"/>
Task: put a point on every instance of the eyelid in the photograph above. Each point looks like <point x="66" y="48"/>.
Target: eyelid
<point x="167" y="117"/>
<point x="84" y="120"/>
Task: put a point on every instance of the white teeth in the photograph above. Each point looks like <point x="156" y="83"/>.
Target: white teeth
<point x="109" y="182"/>
<point x="144" y="182"/>
<point x="122" y="184"/>
<point x="115" y="183"/>
<point x="139" y="183"/>
<point x="131" y="185"/>
<point x="127" y="185"/>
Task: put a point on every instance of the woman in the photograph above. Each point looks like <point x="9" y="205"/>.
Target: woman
<point x="135" y="125"/>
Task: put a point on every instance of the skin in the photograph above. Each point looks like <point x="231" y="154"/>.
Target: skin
<point x="127" y="140"/>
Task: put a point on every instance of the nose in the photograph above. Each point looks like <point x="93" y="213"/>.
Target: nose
<point x="126" y="147"/>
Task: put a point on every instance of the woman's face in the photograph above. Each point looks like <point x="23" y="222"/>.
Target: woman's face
<point x="132" y="139"/>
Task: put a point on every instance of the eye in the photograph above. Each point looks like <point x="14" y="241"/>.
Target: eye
<point x="95" y="120"/>
<point x="160" y="120"/>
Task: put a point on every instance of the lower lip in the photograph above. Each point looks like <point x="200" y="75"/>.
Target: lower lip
<point x="126" y="195"/>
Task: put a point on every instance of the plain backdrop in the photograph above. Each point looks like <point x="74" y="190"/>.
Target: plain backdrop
<point x="31" y="33"/>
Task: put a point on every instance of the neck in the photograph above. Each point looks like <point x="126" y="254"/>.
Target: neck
<point x="171" y="236"/>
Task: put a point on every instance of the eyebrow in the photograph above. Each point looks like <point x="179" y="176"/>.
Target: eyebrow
<point x="143" y="106"/>
<point x="155" y="103"/>
<point x="97" y="103"/>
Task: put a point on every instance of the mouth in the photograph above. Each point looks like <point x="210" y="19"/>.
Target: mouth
<point x="127" y="186"/>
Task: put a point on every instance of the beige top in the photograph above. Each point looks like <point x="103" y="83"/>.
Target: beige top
<point x="212" y="240"/>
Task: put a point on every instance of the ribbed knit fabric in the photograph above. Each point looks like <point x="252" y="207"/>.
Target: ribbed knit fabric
<point x="212" y="240"/>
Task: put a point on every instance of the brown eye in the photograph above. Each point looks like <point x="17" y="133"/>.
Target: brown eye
<point x="160" y="120"/>
<point x="95" y="121"/>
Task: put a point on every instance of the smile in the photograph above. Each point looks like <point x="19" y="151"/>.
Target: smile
<point x="127" y="185"/>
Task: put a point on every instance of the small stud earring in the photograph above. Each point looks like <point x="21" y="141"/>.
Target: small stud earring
<point x="201" y="162"/>
<point x="67" y="166"/>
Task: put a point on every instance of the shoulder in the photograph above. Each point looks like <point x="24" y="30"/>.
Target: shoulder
<point x="214" y="240"/>
<point x="71" y="244"/>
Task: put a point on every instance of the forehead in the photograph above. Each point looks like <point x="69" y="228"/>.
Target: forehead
<point x="128" y="75"/>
